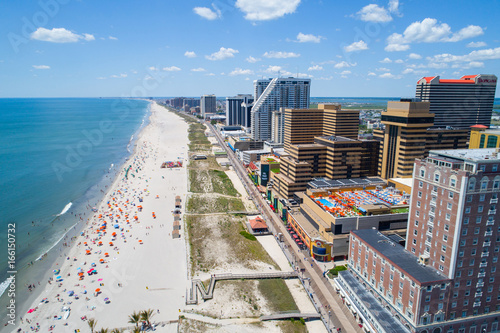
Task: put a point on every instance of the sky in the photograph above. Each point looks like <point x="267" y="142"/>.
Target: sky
<point x="111" y="48"/>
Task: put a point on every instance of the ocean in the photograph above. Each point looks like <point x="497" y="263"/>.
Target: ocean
<point x="57" y="155"/>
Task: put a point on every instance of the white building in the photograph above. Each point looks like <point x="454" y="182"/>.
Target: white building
<point x="273" y="94"/>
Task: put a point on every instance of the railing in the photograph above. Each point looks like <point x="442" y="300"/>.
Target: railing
<point x="485" y="254"/>
<point x="494" y="200"/>
<point x="476" y="304"/>
<point x="492" y="212"/>
<point x="479" y="284"/>
<point x="488" y="233"/>
<point x="486" y="244"/>
<point x="478" y="294"/>
<point x="264" y="94"/>
<point x="480" y="275"/>
<point x="490" y="222"/>
<point x="483" y="264"/>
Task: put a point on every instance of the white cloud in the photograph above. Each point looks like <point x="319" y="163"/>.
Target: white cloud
<point x="343" y="64"/>
<point x="171" y="69"/>
<point x="210" y="74"/>
<point x="374" y="13"/>
<point x="263" y="10"/>
<point x="280" y="54"/>
<point x="112" y="38"/>
<point x="222" y="54"/>
<point x="386" y="61"/>
<point x="273" y="69"/>
<point x="345" y="72"/>
<point x="303" y="38"/>
<point x="476" y="44"/>
<point x="408" y="71"/>
<point x="206" y="13"/>
<point x="383" y="69"/>
<point x="356" y="46"/>
<point x="101" y="78"/>
<point x="239" y="71"/>
<point x="398" y="61"/>
<point x="252" y="60"/>
<point x="199" y="69"/>
<point x="467" y="32"/>
<point x="371" y="74"/>
<point x="472" y="64"/>
<point x="328" y="78"/>
<point x="414" y="56"/>
<point x="478" y="55"/>
<point x="190" y="54"/>
<point x="388" y="76"/>
<point x="120" y="76"/>
<point x="429" y="31"/>
<point x="153" y="68"/>
<point x="41" y="67"/>
<point x="59" y="35"/>
<point x="393" y="6"/>
<point x="315" y="68"/>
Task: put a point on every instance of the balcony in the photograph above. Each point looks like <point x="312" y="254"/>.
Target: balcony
<point x="478" y="294"/>
<point x="483" y="264"/>
<point x="492" y="212"/>
<point x="486" y="244"/>
<point x="488" y="233"/>
<point x="430" y="224"/>
<point x="490" y="222"/>
<point x="481" y="275"/>
<point x="432" y="203"/>
<point x="479" y="284"/>
<point x="476" y="304"/>
<point x="434" y="192"/>
<point x="485" y="254"/>
<point x="431" y="213"/>
<point x="428" y="243"/>
<point x="428" y="233"/>
<point x="494" y="201"/>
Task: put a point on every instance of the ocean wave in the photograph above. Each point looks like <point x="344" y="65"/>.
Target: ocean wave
<point x="65" y="209"/>
<point x="55" y="243"/>
<point x="111" y="167"/>
<point x="4" y="285"/>
<point x="130" y="143"/>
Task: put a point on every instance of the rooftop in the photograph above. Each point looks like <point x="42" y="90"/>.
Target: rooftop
<point x="472" y="155"/>
<point x="398" y="256"/>
<point x="342" y="183"/>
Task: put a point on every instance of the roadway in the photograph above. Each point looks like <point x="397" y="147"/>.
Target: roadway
<point x="326" y="300"/>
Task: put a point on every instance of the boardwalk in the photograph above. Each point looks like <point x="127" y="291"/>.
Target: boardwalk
<point x="197" y="285"/>
<point x="288" y="315"/>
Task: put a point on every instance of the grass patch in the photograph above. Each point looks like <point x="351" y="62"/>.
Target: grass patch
<point x="248" y="235"/>
<point x="293" y="326"/>
<point x="209" y="163"/>
<point x="335" y="271"/>
<point x="222" y="184"/>
<point x="277" y="294"/>
<point x="215" y="239"/>
<point x="400" y="210"/>
<point x="203" y="204"/>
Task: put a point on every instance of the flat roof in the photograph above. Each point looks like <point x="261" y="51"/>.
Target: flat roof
<point x="473" y="155"/>
<point x="397" y="255"/>
<point x="348" y="182"/>
<point x="404" y="181"/>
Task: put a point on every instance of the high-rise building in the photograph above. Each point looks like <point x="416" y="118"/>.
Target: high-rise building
<point x="273" y="94"/>
<point x="323" y="142"/>
<point x="208" y="105"/>
<point x="177" y="102"/>
<point x="445" y="280"/>
<point x="459" y="103"/>
<point x="238" y="110"/>
<point x="409" y="135"/>
<point x="277" y="126"/>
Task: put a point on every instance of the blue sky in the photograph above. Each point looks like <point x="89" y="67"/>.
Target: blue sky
<point x="87" y="48"/>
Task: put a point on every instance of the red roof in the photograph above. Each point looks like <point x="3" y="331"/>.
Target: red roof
<point x="252" y="166"/>
<point x="457" y="81"/>
<point x="468" y="77"/>
<point x="479" y="126"/>
<point x="428" y="79"/>
<point x="258" y="223"/>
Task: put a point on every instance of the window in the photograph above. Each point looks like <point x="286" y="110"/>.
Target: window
<point x="443" y="248"/>
<point x="480" y="209"/>
<point x="420" y="184"/>
<point x="496" y="184"/>
<point x="448" y="216"/>
<point x="416" y="223"/>
<point x="467" y="210"/>
<point x="422" y="173"/>
<point x="472" y="185"/>
<point x="414" y="241"/>
<point x="494" y="168"/>
<point x="478" y="219"/>
<point x="415" y="232"/>
<point x="492" y="141"/>
<point x="476" y="231"/>
<point x="417" y="213"/>
<point x="462" y="242"/>
<point x="436" y="177"/>
<point x="467" y="293"/>
<point x="461" y="253"/>
<point x="484" y="185"/>
<point x="446" y="227"/>
<point x="445" y="238"/>
<point x="466" y="302"/>
<point x="419" y="194"/>
<point x="453" y="182"/>
<point x="449" y="206"/>
<point x="474" y="241"/>
<point x="442" y="258"/>
<point x="481" y="197"/>
<point x="428" y="299"/>
<point x="464" y="232"/>
<point x="473" y="252"/>
<point x="418" y="203"/>
<point x="466" y="220"/>
<point x="469" y="198"/>
<point x="450" y="195"/>
<point x="454" y="304"/>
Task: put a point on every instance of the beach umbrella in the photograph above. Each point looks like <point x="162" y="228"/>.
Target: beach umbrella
<point x="101" y="260"/>
<point x="111" y="243"/>
<point x="140" y="241"/>
<point x="106" y="254"/>
<point x="98" y="290"/>
<point x="58" y="277"/>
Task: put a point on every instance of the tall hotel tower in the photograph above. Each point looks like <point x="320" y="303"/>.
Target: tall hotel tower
<point x="238" y="110"/>
<point x="459" y="103"/>
<point x="208" y="104"/>
<point x="273" y="94"/>
<point x="446" y="279"/>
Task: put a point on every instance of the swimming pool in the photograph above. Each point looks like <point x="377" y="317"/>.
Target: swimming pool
<point x="326" y="203"/>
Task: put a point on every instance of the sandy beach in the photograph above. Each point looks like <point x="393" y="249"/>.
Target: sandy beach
<point x="126" y="256"/>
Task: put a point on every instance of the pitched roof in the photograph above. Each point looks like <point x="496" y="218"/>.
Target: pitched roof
<point x="258" y="223"/>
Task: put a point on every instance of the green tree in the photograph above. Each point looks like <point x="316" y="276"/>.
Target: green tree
<point x="134" y="318"/>
<point x="103" y="330"/>
<point x="146" y="315"/>
<point x="92" y="324"/>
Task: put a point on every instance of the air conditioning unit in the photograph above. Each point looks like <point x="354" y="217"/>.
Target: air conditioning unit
<point x="423" y="259"/>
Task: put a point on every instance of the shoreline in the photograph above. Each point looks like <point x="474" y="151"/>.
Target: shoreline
<point x="75" y="249"/>
<point x="46" y="259"/>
